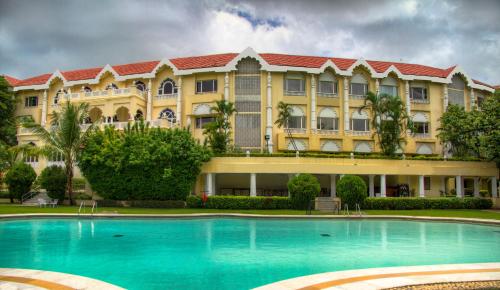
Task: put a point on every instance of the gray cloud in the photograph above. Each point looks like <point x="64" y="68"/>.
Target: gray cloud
<point x="40" y="36"/>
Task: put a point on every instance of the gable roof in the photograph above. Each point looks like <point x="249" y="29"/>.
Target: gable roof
<point x="12" y="81"/>
<point x="273" y="62"/>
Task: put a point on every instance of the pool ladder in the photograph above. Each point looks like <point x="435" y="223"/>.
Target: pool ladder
<point x="357" y="210"/>
<point x="82" y="206"/>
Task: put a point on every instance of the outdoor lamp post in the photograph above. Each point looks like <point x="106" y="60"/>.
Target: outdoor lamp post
<point x="267" y="137"/>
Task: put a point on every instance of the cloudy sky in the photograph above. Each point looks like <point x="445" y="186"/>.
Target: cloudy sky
<point x="39" y="36"/>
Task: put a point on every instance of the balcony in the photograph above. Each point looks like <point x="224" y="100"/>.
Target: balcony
<point x="421" y="135"/>
<point x="56" y="163"/>
<point x="357" y="97"/>
<point x="158" y="123"/>
<point x="327" y="132"/>
<point x="162" y="123"/>
<point x="358" y="133"/>
<point x="295" y="93"/>
<point x="420" y="101"/>
<point x="24" y="131"/>
<point x="131" y="91"/>
<point x="166" y="97"/>
<point x="328" y="95"/>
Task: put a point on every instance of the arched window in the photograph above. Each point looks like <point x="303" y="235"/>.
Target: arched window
<point x="456" y="89"/>
<point x="167" y="87"/>
<point x="295" y="84"/>
<point x="297" y="119"/>
<point x="87" y="89"/>
<point x="111" y="86"/>
<point x="359" y="85"/>
<point x="330" y="146"/>
<point x="327" y="85"/>
<point x="424" y="149"/>
<point x="389" y="86"/>
<point x="328" y="120"/>
<point x="168" y="114"/>
<point x="58" y="96"/>
<point x="360" y="121"/>
<point x="138" y="115"/>
<point x="363" y="147"/>
<point x="301" y="145"/>
<point x="140" y="86"/>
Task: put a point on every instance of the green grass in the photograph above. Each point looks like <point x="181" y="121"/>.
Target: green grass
<point x="18" y="209"/>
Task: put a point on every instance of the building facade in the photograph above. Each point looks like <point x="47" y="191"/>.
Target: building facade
<point x="325" y="94"/>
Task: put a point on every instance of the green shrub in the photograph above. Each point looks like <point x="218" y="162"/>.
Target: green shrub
<point x="409" y="203"/>
<point x="158" y="203"/>
<point x="142" y="164"/>
<point x="19" y="179"/>
<point x="83" y="196"/>
<point x="352" y="190"/>
<point x="303" y="188"/>
<point x="240" y="202"/>
<point x="4" y="194"/>
<point x="53" y="179"/>
<point x="78" y="184"/>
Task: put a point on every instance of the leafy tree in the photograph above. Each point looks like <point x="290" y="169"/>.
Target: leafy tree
<point x="303" y="188"/>
<point x="459" y="131"/>
<point x="284" y="114"/>
<point x="19" y="179"/>
<point x="142" y="163"/>
<point x="218" y="132"/>
<point x="9" y="155"/>
<point x="7" y="107"/>
<point x="53" y="179"/>
<point x="352" y="190"/>
<point x="489" y="128"/>
<point x="389" y="119"/>
<point x="65" y="137"/>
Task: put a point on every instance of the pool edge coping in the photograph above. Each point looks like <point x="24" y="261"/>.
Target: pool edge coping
<point x="389" y="277"/>
<point x="244" y="215"/>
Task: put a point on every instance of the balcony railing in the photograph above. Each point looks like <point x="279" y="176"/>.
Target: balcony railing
<point x="168" y="96"/>
<point x="296" y="130"/>
<point x="327" y="132"/>
<point x="56" y="163"/>
<point x="295" y="93"/>
<point x="420" y="101"/>
<point x="327" y="95"/>
<point x="157" y="123"/>
<point x="23" y="130"/>
<point x="421" y="135"/>
<point x="357" y="97"/>
<point x="359" y="133"/>
<point x="113" y="92"/>
<point x="162" y="123"/>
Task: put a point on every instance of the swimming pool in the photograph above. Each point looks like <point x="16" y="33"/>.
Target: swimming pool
<point x="234" y="253"/>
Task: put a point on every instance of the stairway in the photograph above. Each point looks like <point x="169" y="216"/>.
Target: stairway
<point x="327" y="204"/>
<point x="34" y="200"/>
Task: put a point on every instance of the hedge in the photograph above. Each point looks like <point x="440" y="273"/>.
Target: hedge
<point x="403" y="203"/>
<point x="240" y="202"/>
<point x="142" y="203"/>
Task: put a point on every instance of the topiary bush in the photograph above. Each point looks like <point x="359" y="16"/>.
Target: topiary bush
<point x="19" y="179"/>
<point x="352" y="190"/>
<point x="239" y="202"/>
<point x="409" y="203"/>
<point x="303" y="188"/>
<point x="54" y="180"/>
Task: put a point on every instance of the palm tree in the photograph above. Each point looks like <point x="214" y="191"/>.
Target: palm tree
<point x="65" y="137"/>
<point x="389" y="119"/>
<point x="284" y="114"/>
<point x="219" y="131"/>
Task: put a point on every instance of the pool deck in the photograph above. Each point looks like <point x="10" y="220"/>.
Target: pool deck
<point x="35" y="279"/>
<point x="241" y="215"/>
<point x="382" y="278"/>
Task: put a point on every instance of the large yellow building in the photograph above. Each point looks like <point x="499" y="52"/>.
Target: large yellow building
<point x="325" y="94"/>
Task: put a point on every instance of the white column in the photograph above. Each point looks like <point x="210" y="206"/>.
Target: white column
<point x="208" y="184"/>
<point x="253" y="184"/>
<point x="472" y="99"/>
<point x="371" y="185"/>
<point x="178" y="113"/>
<point x="149" y="105"/>
<point x="346" y="104"/>
<point x="407" y="97"/>
<point x="494" y="187"/>
<point x="44" y="108"/>
<point x="313" y="103"/>
<point x="445" y="97"/>
<point x="333" y="185"/>
<point x="226" y="87"/>
<point x="269" y="113"/>
<point x="382" y="185"/>
<point x="476" y="186"/>
<point x="421" y="188"/>
<point x="458" y="186"/>
<point x="377" y="86"/>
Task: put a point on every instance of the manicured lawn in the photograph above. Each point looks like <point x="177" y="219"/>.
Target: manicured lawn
<point x="13" y="209"/>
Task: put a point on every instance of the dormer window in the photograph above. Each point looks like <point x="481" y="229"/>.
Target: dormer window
<point x="327" y="85"/>
<point x="359" y="86"/>
<point x="389" y="86"/>
<point x="140" y="86"/>
<point x="87" y="89"/>
<point x="294" y="84"/>
<point x="418" y="92"/>
<point x="456" y="91"/>
<point x="111" y="87"/>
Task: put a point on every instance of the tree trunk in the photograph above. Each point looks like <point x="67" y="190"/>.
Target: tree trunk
<point x="69" y="182"/>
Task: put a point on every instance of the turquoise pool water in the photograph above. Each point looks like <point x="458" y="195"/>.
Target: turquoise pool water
<point x="225" y="253"/>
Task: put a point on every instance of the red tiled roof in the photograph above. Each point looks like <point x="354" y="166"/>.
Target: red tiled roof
<point x="38" y="80"/>
<point x="485" y="84"/>
<point x="219" y="60"/>
<point x="12" y="81"/>
<point x="194" y="62"/>
<point x="496" y="87"/>
<point x="136" y="68"/>
<point x="81" y="74"/>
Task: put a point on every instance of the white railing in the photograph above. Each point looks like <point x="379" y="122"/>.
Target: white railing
<point x="328" y="95"/>
<point x="327" y="132"/>
<point x="85" y="127"/>
<point x="55" y="105"/>
<point x="357" y="97"/>
<point x="169" y="96"/>
<point x="57" y="163"/>
<point x="71" y="96"/>
<point x="33" y="164"/>
<point x="295" y="93"/>
<point x="23" y="130"/>
<point x="421" y="135"/>
<point x="360" y="133"/>
<point x="118" y="125"/>
<point x="115" y="92"/>
<point x="297" y="130"/>
<point x="420" y="101"/>
<point x="162" y="123"/>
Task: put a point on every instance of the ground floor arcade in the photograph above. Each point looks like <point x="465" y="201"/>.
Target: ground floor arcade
<point x="268" y="176"/>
